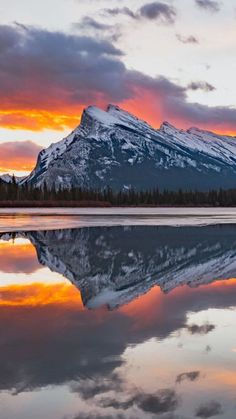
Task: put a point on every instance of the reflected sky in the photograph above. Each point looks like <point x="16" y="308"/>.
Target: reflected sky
<point x="162" y="352"/>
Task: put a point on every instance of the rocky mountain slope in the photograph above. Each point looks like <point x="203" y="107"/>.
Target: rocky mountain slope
<point x="114" y="148"/>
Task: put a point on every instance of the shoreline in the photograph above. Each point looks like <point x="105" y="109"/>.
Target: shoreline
<point x="93" y="204"/>
<point x="32" y="219"/>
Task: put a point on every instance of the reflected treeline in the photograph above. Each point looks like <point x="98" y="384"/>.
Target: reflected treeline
<point x="114" y="265"/>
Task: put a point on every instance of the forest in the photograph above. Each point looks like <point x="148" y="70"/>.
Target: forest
<point x="12" y="195"/>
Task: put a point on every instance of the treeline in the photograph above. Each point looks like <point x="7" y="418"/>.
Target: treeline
<point x="15" y="194"/>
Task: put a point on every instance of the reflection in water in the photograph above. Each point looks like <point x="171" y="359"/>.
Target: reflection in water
<point x="115" y="265"/>
<point x="167" y="351"/>
<point x="19" y="257"/>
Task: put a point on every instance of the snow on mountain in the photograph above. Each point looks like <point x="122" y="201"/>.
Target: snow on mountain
<point x="115" y="265"/>
<point x="9" y="178"/>
<point x="114" y="148"/>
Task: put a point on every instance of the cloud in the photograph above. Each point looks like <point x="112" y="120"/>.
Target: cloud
<point x="116" y="11"/>
<point x="46" y="78"/>
<point x="201" y="85"/>
<point x="88" y="24"/>
<point x="212" y="408"/>
<point x="187" y="39"/>
<point x="151" y="11"/>
<point x="92" y="345"/>
<point x="210" y="5"/>
<point x="160" y="11"/>
<point x="89" y="388"/>
<point x="18" y="155"/>
<point x="189" y="376"/>
<point x="95" y="415"/>
<point x="163" y="401"/>
<point x="17" y="259"/>
<point x="194" y="329"/>
<point x="92" y="23"/>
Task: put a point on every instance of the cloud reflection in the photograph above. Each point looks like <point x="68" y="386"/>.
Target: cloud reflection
<point x="48" y="337"/>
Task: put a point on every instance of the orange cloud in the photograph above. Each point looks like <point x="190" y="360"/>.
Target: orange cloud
<point x="15" y="155"/>
<point x="153" y="307"/>
<point x="40" y="295"/>
<point x="46" y="78"/>
<point x="38" y="120"/>
<point x="18" y="258"/>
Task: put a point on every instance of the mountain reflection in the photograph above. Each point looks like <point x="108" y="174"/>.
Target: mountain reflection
<point x="138" y="360"/>
<point x="114" y="265"/>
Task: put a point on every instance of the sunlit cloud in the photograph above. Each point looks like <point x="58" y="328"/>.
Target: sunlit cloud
<point x="18" y="257"/>
<point x="47" y="78"/>
<point x="40" y="294"/>
<point x="18" y="156"/>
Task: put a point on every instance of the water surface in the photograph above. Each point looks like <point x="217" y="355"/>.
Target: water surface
<point x="15" y="219"/>
<point x="118" y="322"/>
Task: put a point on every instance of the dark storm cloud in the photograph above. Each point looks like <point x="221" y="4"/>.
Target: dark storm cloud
<point x="212" y="6"/>
<point x="53" y="71"/>
<point x="150" y="11"/>
<point x="187" y="39"/>
<point x="201" y="85"/>
<point x="208" y="410"/>
<point x="188" y="376"/>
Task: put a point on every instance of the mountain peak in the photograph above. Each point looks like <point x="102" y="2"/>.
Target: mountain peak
<point x="111" y="108"/>
<point x="126" y="118"/>
<point x="115" y="148"/>
<point x="198" y="131"/>
<point x="167" y="127"/>
<point x="99" y="115"/>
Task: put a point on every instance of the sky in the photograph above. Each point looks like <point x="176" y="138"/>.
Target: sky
<point x="168" y="60"/>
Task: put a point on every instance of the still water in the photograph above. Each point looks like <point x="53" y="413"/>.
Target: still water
<point x="118" y="322"/>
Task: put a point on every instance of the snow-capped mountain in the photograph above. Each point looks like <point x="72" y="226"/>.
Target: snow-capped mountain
<point x="114" y="265"/>
<point x="114" y="148"/>
<point x="9" y="178"/>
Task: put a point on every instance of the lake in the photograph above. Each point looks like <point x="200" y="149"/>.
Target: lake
<point x="122" y="315"/>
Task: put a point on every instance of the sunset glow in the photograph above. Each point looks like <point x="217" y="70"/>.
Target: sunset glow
<point x="158" y="65"/>
<point x="39" y="295"/>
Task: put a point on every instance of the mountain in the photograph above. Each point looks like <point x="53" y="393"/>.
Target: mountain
<point x="114" y="148"/>
<point x="9" y="178"/>
<point x="114" y="265"/>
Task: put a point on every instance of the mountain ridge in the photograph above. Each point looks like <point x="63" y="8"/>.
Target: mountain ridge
<point x="115" y="148"/>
